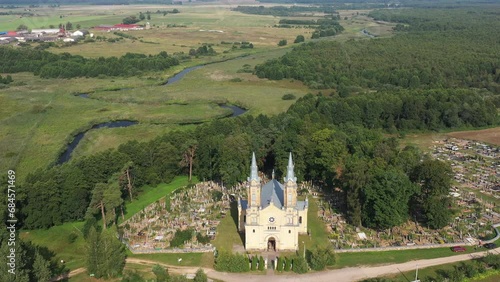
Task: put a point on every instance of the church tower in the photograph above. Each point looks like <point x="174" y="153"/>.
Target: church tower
<point x="290" y="182"/>
<point x="254" y="184"/>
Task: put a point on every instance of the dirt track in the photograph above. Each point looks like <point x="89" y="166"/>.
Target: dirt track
<point x="338" y="275"/>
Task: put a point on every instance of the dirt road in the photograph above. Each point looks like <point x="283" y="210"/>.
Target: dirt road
<point x="337" y="275"/>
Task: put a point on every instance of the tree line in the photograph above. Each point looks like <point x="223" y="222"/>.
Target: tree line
<point x="65" y="65"/>
<point x="459" y="50"/>
<point x="283" y="11"/>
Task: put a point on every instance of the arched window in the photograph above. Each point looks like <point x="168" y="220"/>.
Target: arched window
<point x="245" y="219"/>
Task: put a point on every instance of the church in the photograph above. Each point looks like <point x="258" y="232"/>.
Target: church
<point x="271" y="216"/>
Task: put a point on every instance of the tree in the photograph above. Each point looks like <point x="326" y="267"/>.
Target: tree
<point x="200" y="276"/>
<point x="93" y="252"/>
<point x="148" y="17"/>
<point x="41" y="267"/>
<point x="69" y="26"/>
<point x="22" y="27"/>
<point x="161" y="273"/>
<point x="127" y="179"/>
<point x="130" y="20"/>
<point x="188" y="156"/>
<point x="299" y="38"/>
<point x="299" y="265"/>
<point x="282" y="42"/>
<point x="322" y="257"/>
<point x="78" y="26"/>
<point x="105" y="254"/>
<point x="434" y="179"/>
<point x="141" y="16"/>
<point x="106" y="197"/>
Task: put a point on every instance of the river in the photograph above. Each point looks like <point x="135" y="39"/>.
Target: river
<point x="66" y="155"/>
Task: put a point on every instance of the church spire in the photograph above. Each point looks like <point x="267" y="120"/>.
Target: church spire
<point x="290" y="175"/>
<point x="254" y="171"/>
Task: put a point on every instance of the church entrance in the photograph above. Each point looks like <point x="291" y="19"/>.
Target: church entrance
<point x="271" y="244"/>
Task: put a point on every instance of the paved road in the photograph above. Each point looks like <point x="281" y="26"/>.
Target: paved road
<point x="337" y="275"/>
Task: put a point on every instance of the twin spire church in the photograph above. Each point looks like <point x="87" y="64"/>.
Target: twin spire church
<point x="271" y="217"/>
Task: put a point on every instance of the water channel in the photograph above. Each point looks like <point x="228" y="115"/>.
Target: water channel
<point x="66" y="155"/>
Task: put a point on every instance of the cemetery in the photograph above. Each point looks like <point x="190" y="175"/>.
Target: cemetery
<point x="476" y="191"/>
<point x="184" y="221"/>
<point x="187" y="219"/>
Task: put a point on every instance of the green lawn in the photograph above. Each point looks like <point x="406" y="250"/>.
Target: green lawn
<point x="317" y="229"/>
<point x="387" y="257"/>
<point x="153" y="194"/>
<point x="189" y="259"/>
<point x="227" y="232"/>
<point x="56" y="239"/>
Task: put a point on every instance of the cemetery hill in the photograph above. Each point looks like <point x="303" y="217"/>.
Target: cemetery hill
<point x="188" y="140"/>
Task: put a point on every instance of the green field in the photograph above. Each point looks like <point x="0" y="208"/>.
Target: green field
<point x="387" y="257"/>
<point x="153" y="194"/>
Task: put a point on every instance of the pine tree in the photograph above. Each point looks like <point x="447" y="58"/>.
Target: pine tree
<point x="41" y="268"/>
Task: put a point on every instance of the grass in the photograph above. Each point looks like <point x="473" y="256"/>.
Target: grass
<point x="188" y="259"/>
<point x="153" y="194"/>
<point x="317" y="229"/>
<point x="387" y="257"/>
<point x="227" y="232"/>
<point x="56" y="239"/>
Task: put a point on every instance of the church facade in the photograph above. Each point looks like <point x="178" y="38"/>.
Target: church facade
<point x="271" y="216"/>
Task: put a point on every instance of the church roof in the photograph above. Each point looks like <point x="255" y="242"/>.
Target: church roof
<point x="272" y="192"/>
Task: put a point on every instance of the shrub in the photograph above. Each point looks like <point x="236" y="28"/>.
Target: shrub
<point x="254" y="263"/>
<point x="299" y="38"/>
<point x="180" y="237"/>
<point x="200" y="276"/>
<point x="72" y="237"/>
<point x="225" y="261"/>
<point x="288" y="264"/>
<point x="299" y="265"/>
<point x="288" y="96"/>
<point x="261" y="263"/>
<point x="236" y="79"/>
<point x="282" y="42"/>
<point x="279" y="264"/>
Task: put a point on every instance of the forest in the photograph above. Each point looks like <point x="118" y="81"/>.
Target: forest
<point x="440" y="48"/>
<point x="50" y="65"/>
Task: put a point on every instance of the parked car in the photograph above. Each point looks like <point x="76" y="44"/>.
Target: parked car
<point x="490" y="246"/>
<point x="458" y="249"/>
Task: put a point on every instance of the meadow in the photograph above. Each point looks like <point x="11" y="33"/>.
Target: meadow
<point x="39" y="116"/>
